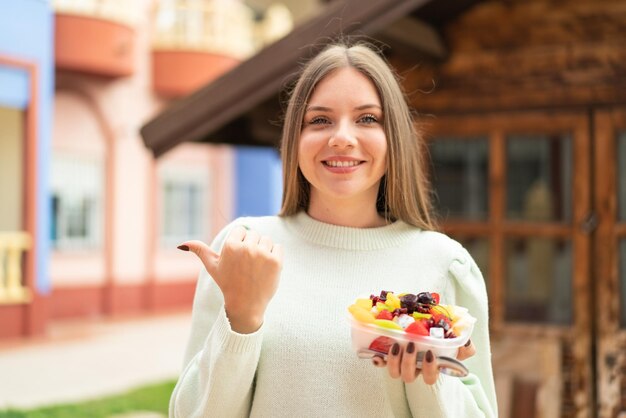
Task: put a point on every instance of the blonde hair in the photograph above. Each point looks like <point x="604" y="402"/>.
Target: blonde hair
<point x="404" y="192"/>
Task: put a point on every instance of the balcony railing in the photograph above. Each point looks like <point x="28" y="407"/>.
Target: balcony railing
<point x="226" y="28"/>
<point x="197" y="41"/>
<point x="13" y="247"/>
<point x="114" y="10"/>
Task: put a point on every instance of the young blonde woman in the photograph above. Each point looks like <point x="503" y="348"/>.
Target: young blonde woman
<point x="269" y="333"/>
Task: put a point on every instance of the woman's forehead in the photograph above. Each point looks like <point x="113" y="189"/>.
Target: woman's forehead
<point x="344" y="84"/>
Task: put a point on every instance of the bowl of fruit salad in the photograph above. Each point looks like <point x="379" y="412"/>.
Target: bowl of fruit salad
<point x="379" y="321"/>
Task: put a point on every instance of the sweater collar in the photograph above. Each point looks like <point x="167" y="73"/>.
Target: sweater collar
<point x="350" y="238"/>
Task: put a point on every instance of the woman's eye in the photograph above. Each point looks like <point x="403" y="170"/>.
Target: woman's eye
<point x="318" y="120"/>
<point x="369" y="118"/>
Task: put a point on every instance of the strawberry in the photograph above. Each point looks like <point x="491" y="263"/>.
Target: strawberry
<point x="436" y="297"/>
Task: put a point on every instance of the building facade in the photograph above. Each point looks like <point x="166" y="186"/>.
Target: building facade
<point x="90" y="221"/>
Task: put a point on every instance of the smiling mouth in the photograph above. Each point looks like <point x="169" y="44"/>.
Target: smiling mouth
<point x="334" y="163"/>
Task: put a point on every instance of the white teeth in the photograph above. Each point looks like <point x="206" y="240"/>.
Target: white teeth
<point x="333" y="163"/>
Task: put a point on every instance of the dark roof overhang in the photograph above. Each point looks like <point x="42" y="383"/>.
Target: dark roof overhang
<point x="240" y="106"/>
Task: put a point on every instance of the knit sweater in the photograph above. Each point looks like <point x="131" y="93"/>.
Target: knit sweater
<point x="300" y="362"/>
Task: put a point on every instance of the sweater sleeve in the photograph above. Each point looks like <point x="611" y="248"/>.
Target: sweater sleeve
<point x="219" y="364"/>
<point x="473" y="395"/>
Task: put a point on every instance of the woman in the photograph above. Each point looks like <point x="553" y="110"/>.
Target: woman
<point x="269" y="334"/>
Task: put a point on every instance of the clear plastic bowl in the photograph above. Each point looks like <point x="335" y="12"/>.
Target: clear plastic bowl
<point x="363" y="335"/>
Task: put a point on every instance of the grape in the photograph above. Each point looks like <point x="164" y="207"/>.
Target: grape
<point x="409" y="301"/>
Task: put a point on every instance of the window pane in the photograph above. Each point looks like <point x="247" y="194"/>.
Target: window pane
<point x="539" y="280"/>
<point x="621" y="175"/>
<point x="184" y="196"/>
<point x="539" y="178"/>
<point x="622" y="280"/>
<point x="76" y="202"/>
<point x="460" y="175"/>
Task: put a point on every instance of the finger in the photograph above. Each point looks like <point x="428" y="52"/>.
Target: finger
<point x="429" y="368"/>
<point x="266" y="244"/>
<point x="237" y="234"/>
<point x="379" y="361"/>
<point x="251" y="239"/>
<point x="208" y="257"/>
<point x="408" y="371"/>
<point x="393" y="360"/>
<point x="467" y="351"/>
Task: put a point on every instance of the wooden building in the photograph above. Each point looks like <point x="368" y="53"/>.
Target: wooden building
<point x="523" y="104"/>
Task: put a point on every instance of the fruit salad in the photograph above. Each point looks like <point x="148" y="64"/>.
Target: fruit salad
<point x="381" y="320"/>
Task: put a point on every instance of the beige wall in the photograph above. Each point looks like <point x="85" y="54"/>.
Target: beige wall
<point x="11" y="168"/>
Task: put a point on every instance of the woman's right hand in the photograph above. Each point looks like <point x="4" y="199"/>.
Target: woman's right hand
<point x="247" y="271"/>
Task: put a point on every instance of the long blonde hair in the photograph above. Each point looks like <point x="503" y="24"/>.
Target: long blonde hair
<point x="404" y="191"/>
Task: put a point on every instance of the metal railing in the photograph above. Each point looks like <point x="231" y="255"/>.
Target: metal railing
<point x="13" y="247"/>
<point x="220" y="27"/>
<point x="121" y="11"/>
<point x="226" y="27"/>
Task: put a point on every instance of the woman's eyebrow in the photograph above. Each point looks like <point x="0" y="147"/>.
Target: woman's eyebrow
<point x="328" y="109"/>
<point x="368" y="106"/>
<point x="318" y="109"/>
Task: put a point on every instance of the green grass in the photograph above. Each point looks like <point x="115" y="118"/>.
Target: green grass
<point x="148" y="398"/>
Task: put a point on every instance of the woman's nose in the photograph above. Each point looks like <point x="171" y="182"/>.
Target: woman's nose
<point x="342" y="137"/>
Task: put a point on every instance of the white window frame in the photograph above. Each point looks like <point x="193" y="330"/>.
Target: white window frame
<point x="77" y="178"/>
<point x="185" y="229"/>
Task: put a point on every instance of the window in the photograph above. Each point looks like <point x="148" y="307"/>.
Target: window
<point x="184" y="203"/>
<point x="538" y="280"/>
<point x="507" y="186"/>
<point x="460" y="174"/>
<point x="539" y="178"/>
<point x="76" y="205"/>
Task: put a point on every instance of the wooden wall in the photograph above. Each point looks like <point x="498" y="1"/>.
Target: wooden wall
<point x="525" y="54"/>
<point x="536" y="55"/>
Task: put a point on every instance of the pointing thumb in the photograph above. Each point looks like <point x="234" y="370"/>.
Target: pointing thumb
<point x="208" y="257"/>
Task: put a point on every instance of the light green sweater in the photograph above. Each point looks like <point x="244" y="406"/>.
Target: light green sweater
<point x="300" y="362"/>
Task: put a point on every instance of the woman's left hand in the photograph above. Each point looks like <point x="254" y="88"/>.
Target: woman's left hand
<point x="401" y="362"/>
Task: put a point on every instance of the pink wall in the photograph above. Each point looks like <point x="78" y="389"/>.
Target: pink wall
<point x="109" y="113"/>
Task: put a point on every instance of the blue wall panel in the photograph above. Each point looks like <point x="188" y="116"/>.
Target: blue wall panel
<point x="14" y="88"/>
<point x="258" y="176"/>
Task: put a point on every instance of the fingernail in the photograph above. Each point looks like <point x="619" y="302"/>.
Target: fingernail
<point x="468" y="343"/>
<point x="395" y="349"/>
<point x="410" y="347"/>
<point x="429" y="356"/>
<point x="183" y="247"/>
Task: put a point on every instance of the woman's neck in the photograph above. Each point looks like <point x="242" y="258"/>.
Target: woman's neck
<point x="344" y="213"/>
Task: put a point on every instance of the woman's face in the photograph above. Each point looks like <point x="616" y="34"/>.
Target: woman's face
<point x="342" y="150"/>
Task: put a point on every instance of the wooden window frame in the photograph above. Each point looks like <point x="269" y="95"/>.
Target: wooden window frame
<point x="611" y="339"/>
<point x="496" y="127"/>
<point x="575" y="340"/>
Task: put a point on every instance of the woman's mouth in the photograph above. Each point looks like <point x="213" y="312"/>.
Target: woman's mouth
<point x="341" y="164"/>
